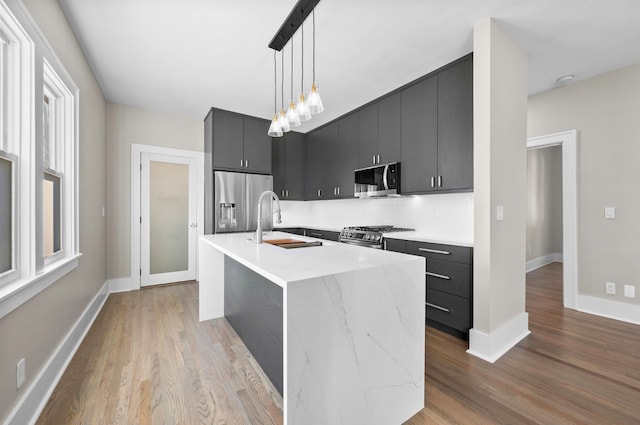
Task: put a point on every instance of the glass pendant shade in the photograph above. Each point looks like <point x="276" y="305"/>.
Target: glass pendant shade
<point x="274" y="129"/>
<point x="292" y="116"/>
<point x="303" y="109"/>
<point x="283" y="123"/>
<point x="314" y="102"/>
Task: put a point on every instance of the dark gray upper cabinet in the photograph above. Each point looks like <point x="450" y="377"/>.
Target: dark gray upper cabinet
<point x="419" y="127"/>
<point x="437" y="131"/>
<point x="455" y="126"/>
<point x="389" y="122"/>
<point x="257" y="145"/>
<point x="288" y="155"/>
<point x="238" y="142"/>
<point x="314" y="182"/>
<point x="379" y="132"/>
<point x="294" y="160"/>
<point x="367" y="135"/>
<point x="330" y="159"/>
<point x="346" y="158"/>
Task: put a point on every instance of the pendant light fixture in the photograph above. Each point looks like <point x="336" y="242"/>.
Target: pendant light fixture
<point x="302" y="109"/>
<point x="292" y="115"/>
<point x="282" y="120"/>
<point x="314" y="102"/>
<point x="274" y="129"/>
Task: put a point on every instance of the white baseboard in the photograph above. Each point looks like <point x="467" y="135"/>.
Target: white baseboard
<point x="36" y="396"/>
<point x="122" y="284"/>
<point x="536" y="263"/>
<point x="611" y="309"/>
<point x="491" y="347"/>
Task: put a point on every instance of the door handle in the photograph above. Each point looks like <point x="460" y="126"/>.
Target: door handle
<point x="433" y="181"/>
<point x="384" y="177"/>
<point x="378" y="158"/>
<point x="434" y="251"/>
<point x="246" y="163"/>
<point x="437" y="307"/>
<point x="193" y="225"/>
<point x="439" y="181"/>
<point x="439" y="276"/>
<point x="373" y="160"/>
<point x="241" y="163"/>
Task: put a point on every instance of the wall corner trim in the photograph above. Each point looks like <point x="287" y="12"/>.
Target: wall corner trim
<point x="490" y="347"/>
<point x="611" y="309"/>
<point x="35" y="398"/>
<point x="123" y="284"/>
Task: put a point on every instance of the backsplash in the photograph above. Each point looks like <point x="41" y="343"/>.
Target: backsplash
<point x="445" y="216"/>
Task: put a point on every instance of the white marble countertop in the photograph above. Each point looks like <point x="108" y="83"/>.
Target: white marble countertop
<point x="283" y="266"/>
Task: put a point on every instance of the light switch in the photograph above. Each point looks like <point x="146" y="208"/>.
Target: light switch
<point x="629" y="291"/>
<point x="500" y="213"/>
<point x="609" y="212"/>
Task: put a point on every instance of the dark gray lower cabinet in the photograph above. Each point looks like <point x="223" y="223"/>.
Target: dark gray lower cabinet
<point x="313" y="233"/>
<point x="449" y="281"/>
<point x="253" y="307"/>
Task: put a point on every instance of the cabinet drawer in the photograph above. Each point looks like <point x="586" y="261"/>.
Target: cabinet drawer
<point x="459" y="254"/>
<point x="323" y="234"/>
<point x="449" y="310"/>
<point x="447" y="276"/>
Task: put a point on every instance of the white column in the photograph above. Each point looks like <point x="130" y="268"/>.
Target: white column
<point x="500" y="136"/>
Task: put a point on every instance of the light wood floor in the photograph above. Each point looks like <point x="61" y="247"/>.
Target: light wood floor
<point x="147" y="360"/>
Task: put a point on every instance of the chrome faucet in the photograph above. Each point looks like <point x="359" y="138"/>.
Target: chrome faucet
<point x="277" y="212"/>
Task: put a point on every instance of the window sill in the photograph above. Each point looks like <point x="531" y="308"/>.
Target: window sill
<point x="14" y="294"/>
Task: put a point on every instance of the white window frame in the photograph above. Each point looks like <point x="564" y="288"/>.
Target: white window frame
<point x="36" y="66"/>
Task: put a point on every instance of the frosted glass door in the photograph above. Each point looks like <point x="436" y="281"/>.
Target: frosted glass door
<point x="168" y="219"/>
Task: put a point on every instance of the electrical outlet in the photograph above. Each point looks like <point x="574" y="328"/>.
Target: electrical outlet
<point x="610" y="288"/>
<point x="499" y="213"/>
<point x="21" y="373"/>
<point x="629" y="291"/>
<point x="610" y="212"/>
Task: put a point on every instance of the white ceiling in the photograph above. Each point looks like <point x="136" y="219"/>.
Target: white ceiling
<point x="184" y="56"/>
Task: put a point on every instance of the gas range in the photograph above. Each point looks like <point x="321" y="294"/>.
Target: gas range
<point x="369" y="236"/>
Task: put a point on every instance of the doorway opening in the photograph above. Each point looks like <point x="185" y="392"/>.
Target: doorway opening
<point x="543" y="233"/>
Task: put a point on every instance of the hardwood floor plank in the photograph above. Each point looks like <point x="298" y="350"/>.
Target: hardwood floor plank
<point x="147" y="360"/>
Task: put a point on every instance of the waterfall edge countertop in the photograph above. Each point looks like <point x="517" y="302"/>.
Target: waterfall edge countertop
<point x="282" y="266"/>
<point x="339" y="329"/>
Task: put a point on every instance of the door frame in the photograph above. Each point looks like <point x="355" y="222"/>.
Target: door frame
<point x="136" y="162"/>
<point x="568" y="141"/>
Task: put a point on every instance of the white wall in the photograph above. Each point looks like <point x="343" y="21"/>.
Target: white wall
<point x="127" y="125"/>
<point x="446" y="217"/>
<point x="36" y="328"/>
<point x="605" y="110"/>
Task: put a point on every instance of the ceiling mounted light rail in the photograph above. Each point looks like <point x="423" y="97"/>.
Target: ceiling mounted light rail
<point x="282" y="122"/>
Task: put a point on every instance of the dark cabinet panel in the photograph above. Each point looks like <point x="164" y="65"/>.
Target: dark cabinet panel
<point x="455" y="126"/>
<point x="227" y="140"/>
<point x="389" y="121"/>
<point x="257" y="146"/>
<point x="294" y="168"/>
<point x="346" y="158"/>
<point x="322" y="234"/>
<point x="278" y="165"/>
<point x="367" y="135"/>
<point x="330" y="159"/>
<point x="314" y="186"/>
<point x="395" y="245"/>
<point x="419" y="136"/>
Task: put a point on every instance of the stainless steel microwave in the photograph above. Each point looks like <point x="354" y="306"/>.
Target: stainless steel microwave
<point x="379" y="180"/>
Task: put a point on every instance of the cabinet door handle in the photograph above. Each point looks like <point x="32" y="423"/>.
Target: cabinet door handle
<point x="241" y="163"/>
<point x="437" y="307"/>
<point x="287" y="192"/>
<point x="378" y="158"/>
<point x="434" y="251"/>
<point x="373" y="160"/>
<point x="319" y="193"/>
<point x="282" y="193"/>
<point x="384" y="244"/>
<point x="439" y="181"/>
<point x="433" y="181"/>
<point x="317" y="235"/>
<point x="439" y="276"/>
<point x="246" y="163"/>
<point x="338" y="189"/>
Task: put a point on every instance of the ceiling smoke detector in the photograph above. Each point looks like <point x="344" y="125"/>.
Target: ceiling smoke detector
<point x="564" y="80"/>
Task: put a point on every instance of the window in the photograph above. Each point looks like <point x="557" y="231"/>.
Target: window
<point x="38" y="163"/>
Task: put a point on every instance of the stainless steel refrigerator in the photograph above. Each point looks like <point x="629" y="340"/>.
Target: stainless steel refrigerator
<point x="235" y="201"/>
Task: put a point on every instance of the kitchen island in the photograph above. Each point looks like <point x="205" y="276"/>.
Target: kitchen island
<point x="338" y="329"/>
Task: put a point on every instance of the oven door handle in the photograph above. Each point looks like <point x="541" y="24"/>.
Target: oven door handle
<point x="384" y="177"/>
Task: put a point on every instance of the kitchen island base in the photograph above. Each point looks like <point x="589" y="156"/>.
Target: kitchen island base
<point x="353" y="340"/>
